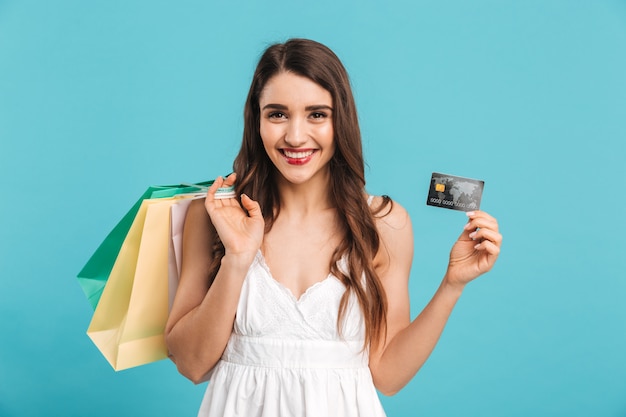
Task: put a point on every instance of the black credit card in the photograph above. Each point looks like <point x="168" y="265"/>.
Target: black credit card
<point x="456" y="193"/>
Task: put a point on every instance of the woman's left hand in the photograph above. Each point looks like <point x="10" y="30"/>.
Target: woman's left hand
<point x="476" y="250"/>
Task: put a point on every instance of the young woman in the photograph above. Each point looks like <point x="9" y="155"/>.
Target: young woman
<point x="293" y="299"/>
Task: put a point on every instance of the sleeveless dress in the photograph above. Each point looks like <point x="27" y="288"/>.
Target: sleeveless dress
<point x="286" y="358"/>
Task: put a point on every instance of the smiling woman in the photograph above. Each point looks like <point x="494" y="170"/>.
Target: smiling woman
<point x="293" y="298"/>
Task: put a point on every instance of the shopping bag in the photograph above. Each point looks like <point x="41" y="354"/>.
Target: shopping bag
<point x="93" y="277"/>
<point x="129" y="320"/>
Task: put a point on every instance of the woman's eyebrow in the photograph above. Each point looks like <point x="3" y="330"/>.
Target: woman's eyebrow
<point x="276" y="106"/>
<point x="318" y="107"/>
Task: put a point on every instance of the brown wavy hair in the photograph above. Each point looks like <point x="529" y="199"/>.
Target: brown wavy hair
<point x="256" y="174"/>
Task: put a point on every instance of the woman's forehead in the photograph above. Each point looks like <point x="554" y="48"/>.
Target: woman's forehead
<point x="289" y="88"/>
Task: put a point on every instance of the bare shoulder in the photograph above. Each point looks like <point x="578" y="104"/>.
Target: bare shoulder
<point x="198" y="220"/>
<point x="197" y="212"/>
<point x="395" y="253"/>
<point x="389" y="215"/>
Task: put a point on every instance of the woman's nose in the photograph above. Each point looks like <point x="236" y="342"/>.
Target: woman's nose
<point x="296" y="133"/>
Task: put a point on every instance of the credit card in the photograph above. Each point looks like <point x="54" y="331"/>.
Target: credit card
<point x="455" y="193"/>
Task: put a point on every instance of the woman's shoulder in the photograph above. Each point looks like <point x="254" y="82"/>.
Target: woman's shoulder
<point x="396" y="237"/>
<point x="196" y="211"/>
<point x="198" y="220"/>
<point x="388" y="213"/>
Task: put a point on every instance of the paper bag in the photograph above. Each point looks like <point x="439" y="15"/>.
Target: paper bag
<point x="129" y="320"/>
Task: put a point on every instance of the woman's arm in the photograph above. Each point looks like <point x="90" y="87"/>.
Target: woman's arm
<point x="408" y="344"/>
<point x="202" y="316"/>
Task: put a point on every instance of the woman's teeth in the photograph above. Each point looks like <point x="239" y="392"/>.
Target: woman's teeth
<point x="298" y="155"/>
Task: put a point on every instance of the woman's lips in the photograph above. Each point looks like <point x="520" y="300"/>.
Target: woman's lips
<point x="298" y="156"/>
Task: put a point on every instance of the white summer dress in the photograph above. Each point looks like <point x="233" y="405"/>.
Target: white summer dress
<point x="285" y="357"/>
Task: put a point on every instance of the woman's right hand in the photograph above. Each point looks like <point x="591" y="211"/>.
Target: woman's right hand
<point x="241" y="233"/>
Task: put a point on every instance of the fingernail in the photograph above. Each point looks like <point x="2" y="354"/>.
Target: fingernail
<point x="472" y="235"/>
<point x="470" y="213"/>
<point x="477" y="246"/>
<point x="467" y="226"/>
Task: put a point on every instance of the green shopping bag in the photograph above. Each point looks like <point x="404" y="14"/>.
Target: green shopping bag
<point x="94" y="275"/>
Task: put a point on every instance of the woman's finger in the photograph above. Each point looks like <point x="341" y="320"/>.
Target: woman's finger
<point x="480" y="219"/>
<point x="489" y="247"/>
<point x="210" y="194"/>
<point x="253" y="207"/>
<point x="230" y="180"/>
<point x="216" y="184"/>
<point x="487" y="234"/>
<point x="472" y="215"/>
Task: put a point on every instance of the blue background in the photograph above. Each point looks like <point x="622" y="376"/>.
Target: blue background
<point x="99" y="99"/>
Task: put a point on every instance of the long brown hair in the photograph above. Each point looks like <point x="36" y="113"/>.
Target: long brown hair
<point x="256" y="173"/>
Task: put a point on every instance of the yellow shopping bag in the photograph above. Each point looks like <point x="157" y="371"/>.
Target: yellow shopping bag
<point x="129" y="320"/>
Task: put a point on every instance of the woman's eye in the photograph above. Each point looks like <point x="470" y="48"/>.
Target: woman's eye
<point x="318" y="115"/>
<point x="276" y="115"/>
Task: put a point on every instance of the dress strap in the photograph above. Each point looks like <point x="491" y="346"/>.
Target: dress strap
<point x="370" y="198"/>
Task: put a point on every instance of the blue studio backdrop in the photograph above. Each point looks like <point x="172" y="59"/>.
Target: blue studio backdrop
<point x="99" y="99"/>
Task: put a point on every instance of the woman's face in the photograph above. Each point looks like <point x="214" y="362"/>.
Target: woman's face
<point x="297" y="127"/>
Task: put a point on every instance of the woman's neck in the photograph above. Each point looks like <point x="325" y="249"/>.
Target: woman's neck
<point x="302" y="199"/>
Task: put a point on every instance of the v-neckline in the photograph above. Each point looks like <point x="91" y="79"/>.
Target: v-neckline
<point x="284" y="288"/>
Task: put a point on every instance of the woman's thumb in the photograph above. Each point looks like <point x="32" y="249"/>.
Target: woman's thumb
<point x="253" y="208"/>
